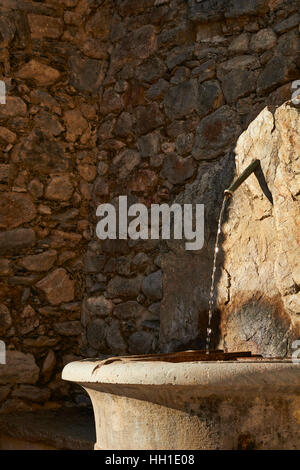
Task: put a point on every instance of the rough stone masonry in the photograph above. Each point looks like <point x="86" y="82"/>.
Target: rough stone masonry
<point x="120" y="97"/>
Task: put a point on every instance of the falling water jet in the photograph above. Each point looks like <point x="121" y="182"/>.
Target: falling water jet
<point x="227" y="193"/>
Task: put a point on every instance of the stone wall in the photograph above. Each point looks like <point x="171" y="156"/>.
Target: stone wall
<point x="119" y="97"/>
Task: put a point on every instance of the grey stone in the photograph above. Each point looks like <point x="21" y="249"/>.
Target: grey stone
<point x="149" y="144"/>
<point x="148" y="118"/>
<point x="184" y="143"/>
<point x="151" y="70"/>
<point x="140" y="342"/>
<point x="210" y="97"/>
<point x="205" y="71"/>
<point x="177" y="169"/>
<point x="93" y="263"/>
<point x="181" y="100"/>
<point x="86" y="74"/>
<point x="157" y="90"/>
<point x="95" y="333"/>
<point x="238" y="77"/>
<point x="152" y="286"/>
<point x="114" y="338"/>
<point x="216" y="134"/>
<point x="288" y="23"/>
<point x="178" y="55"/>
<point x="276" y="72"/>
<point x="123" y="287"/>
<point x="130" y="309"/>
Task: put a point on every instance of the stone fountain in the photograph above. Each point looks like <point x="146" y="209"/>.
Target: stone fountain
<point x="194" y="400"/>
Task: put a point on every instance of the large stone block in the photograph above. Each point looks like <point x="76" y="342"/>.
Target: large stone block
<point x="20" y="368"/>
<point x="216" y="134"/>
<point x="16" y="240"/>
<point x="15" y="209"/>
<point x="181" y="100"/>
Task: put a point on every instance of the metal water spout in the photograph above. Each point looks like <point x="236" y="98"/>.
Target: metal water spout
<point x="246" y="173"/>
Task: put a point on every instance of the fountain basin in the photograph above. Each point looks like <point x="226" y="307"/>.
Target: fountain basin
<point x="144" y="404"/>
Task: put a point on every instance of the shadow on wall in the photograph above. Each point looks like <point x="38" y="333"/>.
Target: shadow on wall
<point x="248" y="319"/>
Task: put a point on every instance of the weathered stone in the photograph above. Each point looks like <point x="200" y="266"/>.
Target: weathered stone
<point x="130" y="309"/>
<point x="15" y="209"/>
<point x="123" y="125"/>
<point x="57" y="286"/>
<point x="148" y="118"/>
<point x="177" y="169"/>
<point x="38" y="153"/>
<point x="111" y="102"/>
<point x="277" y="71"/>
<point x="213" y="10"/>
<point x="181" y="75"/>
<point x="86" y="74"/>
<point x="152" y="286"/>
<point x="124" y="287"/>
<point x="184" y="143"/>
<point x="76" y="124"/>
<point x="42" y="26"/>
<point x="240" y="44"/>
<point x="216" y="134"/>
<point x="48" y="365"/>
<point x="45" y="100"/>
<point x="210" y="97"/>
<point x="93" y="263"/>
<point x="181" y="100"/>
<point x="60" y="188"/>
<point x="139" y="44"/>
<point x="48" y="124"/>
<point x="140" y="342"/>
<point x="28" y="321"/>
<point x="94" y="48"/>
<point x="41" y="262"/>
<point x="14" y="106"/>
<point x="205" y="71"/>
<point x="238" y="77"/>
<point x="7" y="135"/>
<point x="288" y="23"/>
<point x="179" y="55"/>
<point x="98" y="25"/>
<point x="4" y="392"/>
<point x="96" y="332"/>
<point x="5" y="319"/>
<point x="144" y="180"/>
<point x="32" y="393"/>
<point x="151" y="70"/>
<point x="263" y="40"/>
<point x="99" y="306"/>
<point x="149" y="144"/>
<point x="7" y="29"/>
<point x="114" y="338"/>
<point x="100" y="188"/>
<point x="39" y="72"/>
<point x="20" y="368"/>
<point x="157" y="90"/>
<point x="15" y="240"/>
<point x="126" y="161"/>
<point x="87" y="172"/>
<point x="68" y="328"/>
<point x="5" y="267"/>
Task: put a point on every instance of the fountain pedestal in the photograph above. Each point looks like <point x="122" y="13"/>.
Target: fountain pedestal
<point x="243" y="404"/>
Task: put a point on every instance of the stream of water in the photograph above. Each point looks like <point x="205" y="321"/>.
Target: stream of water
<point x="213" y="276"/>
